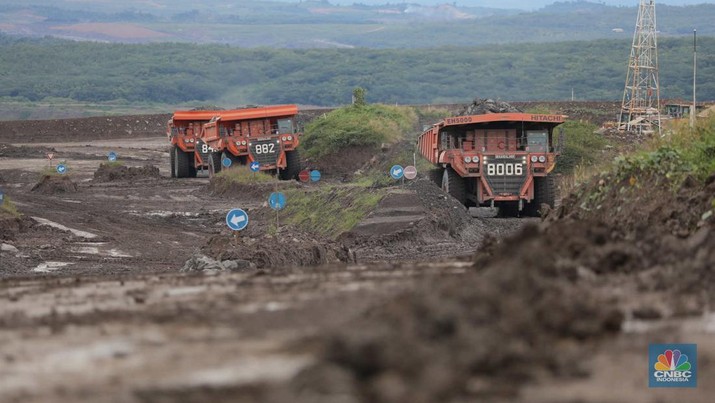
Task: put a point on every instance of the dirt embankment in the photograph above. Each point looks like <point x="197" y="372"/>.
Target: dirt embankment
<point x="535" y="306"/>
<point x="111" y="173"/>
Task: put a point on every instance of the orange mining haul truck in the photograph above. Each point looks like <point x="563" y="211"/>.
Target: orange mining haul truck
<point x="266" y="135"/>
<point x="183" y="130"/>
<point x="495" y="160"/>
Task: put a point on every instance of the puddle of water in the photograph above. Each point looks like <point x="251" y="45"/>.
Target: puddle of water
<point x="49" y="267"/>
<point x="76" y="232"/>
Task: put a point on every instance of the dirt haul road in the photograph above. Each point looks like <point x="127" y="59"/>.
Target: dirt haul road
<point x="95" y="306"/>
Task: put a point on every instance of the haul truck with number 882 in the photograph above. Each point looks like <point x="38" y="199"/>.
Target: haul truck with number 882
<point x="266" y="135"/>
<point x="500" y="160"/>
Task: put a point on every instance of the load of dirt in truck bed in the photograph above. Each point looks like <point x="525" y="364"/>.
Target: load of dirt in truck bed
<point x="484" y="106"/>
<point x="116" y="172"/>
<point x="54" y="184"/>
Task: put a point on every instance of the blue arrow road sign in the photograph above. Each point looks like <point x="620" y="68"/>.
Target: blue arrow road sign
<point x="112" y="156"/>
<point x="226" y="162"/>
<point x="237" y="219"/>
<point x="277" y="201"/>
<point x="2" y="197"/>
<point x="397" y="172"/>
<point x="315" y="175"/>
<point x="255" y="166"/>
<point x="61" y="169"/>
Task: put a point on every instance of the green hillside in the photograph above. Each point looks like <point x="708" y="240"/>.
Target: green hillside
<point x="173" y="73"/>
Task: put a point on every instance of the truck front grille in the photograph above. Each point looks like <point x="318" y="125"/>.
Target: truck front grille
<point x="505" y="175"/>
<point x="265" y="151"/>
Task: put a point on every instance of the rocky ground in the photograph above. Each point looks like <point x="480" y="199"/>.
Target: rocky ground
<point x="121" y="284"/>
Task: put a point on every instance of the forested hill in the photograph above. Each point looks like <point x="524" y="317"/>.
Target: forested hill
<point x="175" y="73"/>
<point x="320" y="24"/>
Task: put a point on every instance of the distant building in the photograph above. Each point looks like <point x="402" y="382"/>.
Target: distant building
<point x="681" y="110"/>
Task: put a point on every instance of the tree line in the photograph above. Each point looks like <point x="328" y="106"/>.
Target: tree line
<point x="171" y="73"/>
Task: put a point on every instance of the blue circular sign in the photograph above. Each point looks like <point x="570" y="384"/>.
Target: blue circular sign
<point x="2" y="197"/>
<point x="226" y="162"/>
<point x="61" y="169"/>
<point x="397" y="172"/>
<point x="237" y="219"/>
<point x="255" y="166"/>
<point x="315" y="175"/>
<point x="277" y="201"/>
<point x="112" y="156"/>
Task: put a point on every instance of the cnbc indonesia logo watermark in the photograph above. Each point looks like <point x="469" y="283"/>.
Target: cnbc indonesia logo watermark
<point x="672" y="365"/>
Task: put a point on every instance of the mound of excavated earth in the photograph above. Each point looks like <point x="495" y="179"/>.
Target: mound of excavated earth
<point x="53" y="184"/>
<point x="110" y="173"/>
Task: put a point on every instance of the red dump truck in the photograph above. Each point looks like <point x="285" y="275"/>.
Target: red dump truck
<point x="495" y="160"/>
<point x="266" y="135"/>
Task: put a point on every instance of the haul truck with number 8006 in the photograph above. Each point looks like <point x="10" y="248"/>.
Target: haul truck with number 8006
<point x="499" y="160"/>
<point x="266" y="135"/>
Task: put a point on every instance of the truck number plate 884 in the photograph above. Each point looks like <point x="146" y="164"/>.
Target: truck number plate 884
<point x="505" y="169"/>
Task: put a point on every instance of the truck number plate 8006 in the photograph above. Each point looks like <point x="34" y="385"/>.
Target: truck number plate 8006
<point x="505" y="169"/>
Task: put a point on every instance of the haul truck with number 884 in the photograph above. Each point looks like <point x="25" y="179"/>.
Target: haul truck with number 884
<point x="500" y="160"/>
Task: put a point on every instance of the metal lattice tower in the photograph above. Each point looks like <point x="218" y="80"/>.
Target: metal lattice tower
<point x="640" y="109"/>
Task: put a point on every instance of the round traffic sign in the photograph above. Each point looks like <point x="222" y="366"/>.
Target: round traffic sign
<point x="61" y="169"/>
<point x="315" y="175"/>
<point x="226" y="162"/>
<point x="237" y="219"/>
<point x="2" y="197"/>
<point x="397" y="172"/>
<point x="304" y="175"/>
<point x="277" y="201"/>
<point x="112" y="156"/>
<point x="410" y="172"/>
<point x="255" y="166"/>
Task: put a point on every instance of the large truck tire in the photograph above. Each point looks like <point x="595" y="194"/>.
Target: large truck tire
<point x="544" y="193"/>
<point x="182" y="165"/>
<point x="453" y="184"/>
<point x="292" y="168"/>
<point x="435" y="175"/>
<point x="172" y="162"/>
<point x="215" y="163"/>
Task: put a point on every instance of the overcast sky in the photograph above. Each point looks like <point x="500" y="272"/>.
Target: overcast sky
<point x="520" y="4"/>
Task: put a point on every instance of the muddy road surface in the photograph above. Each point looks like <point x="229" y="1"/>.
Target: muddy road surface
<point x="418" y="302"/>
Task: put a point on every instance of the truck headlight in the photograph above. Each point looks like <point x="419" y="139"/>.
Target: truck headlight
<point x="542" y="159"/>
<point x="467" y="159"/>
<point x="243" y="143"/>
<point x="534" y="158"/>
<point x="284" y="138"/>
<point x="475" y="159"/>
<point x="290" y="138"/>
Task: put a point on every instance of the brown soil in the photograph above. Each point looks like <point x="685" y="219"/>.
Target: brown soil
<point x="110" y="173"/>
<point x="227" y="188"/>
<point x="52" y="184"/>
<point x="563" y="311"/>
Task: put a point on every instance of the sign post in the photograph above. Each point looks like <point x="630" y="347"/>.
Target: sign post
<point x="277" y="201"/>
<point x="315" y="175"/>
<point x="237" y="219"/>
<point x="112" y="156"/>
<point x="226" y="162"/>
<point x="255" y="167"/>
<point x="410" y="172"/>
<point x="50" y="156"/>
<point x="61" y="169"/>
<point x="2" y="197"/>
<point x="397" y="172"/>
<point x="304" y="176"/>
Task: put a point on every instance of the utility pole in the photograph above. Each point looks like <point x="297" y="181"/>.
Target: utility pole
<point x="640" y="109"/>
<point x="694" y="112"/>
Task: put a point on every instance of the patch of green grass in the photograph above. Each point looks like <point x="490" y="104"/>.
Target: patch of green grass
<point x="242" y="174"/>
<point x="330" y="210"/>
<point x="8" y="207"/>
<point x="357" y="126"/>
<point x="665" y="161"/>
<point x="583" y="147"/>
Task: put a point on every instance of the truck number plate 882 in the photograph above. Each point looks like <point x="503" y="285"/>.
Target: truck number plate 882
<point x="505" y="169"/>
<point x="267" y="148"/>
